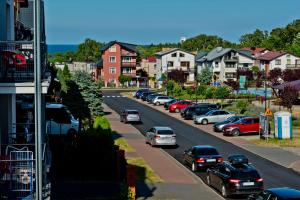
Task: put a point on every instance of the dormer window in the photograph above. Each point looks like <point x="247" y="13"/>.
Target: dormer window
<point x="174" y="55"/>
<point x="181" y="55"/>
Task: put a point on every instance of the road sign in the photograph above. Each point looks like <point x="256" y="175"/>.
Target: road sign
<point x="268" y="112"/>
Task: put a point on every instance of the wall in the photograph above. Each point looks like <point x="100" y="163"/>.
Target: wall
<point x="283" y="61"/>
<point x="106" y="65"/>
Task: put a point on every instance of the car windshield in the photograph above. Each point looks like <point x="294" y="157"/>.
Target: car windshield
<point x="165" y="132"/>
<point x="210" y="112"/>
<point x="133" y="112"/>
<point x="206" y="151"/>
<point x="243" y="172"/>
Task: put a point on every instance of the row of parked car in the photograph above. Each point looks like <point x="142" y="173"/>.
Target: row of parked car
<point x="203" y="113"/>
<point x="236" y="175"/>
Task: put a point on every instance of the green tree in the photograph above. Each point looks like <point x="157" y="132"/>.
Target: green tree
<point x="254" y="39"/>
<point x="222" y="93"/>
<point x="205" y="76"/>
<point x="170" y="86"/>
<point x="255" y="69"/>
<point x="123" y="79"/>
<point x="242" y="106"/>
<point x="177" y="90"/>
<point x="210" y="92"/>
<point x="60" y="76"/>
<point x="89" y="51"/>
<point x="66" y="73"/>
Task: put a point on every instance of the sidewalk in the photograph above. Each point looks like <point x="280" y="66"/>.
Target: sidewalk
<point x="286" y="157"/>
<point x="177" y="181"/>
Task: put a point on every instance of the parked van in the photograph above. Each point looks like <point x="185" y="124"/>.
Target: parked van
<point x="60" y="121"/>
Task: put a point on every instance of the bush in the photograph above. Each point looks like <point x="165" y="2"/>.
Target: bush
<point x="222" y="92"/>
<point x="210" y="92"/>
<point x="242" y="106"/>
<point x="101" y="125"/>
<point x="201" y="90"/>
<point x="296" y="123"/>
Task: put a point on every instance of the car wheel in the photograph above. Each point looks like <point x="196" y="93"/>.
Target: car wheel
<point x="194" y="167"/>
<point x="177" y="110"/>
<point x="204" y="121"/>
<point x="224" y="191"/>
<point x="235" y="132"/>
<point x="157" y="103"/>
<point x="208" y="180"/>
<point x="152" y="143"/>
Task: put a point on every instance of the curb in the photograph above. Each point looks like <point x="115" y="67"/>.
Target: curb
<point x="296" y="171"/>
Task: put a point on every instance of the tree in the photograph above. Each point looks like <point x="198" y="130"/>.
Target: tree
<point x="66" y="73"/>
<point x="274" y="76"/>
<point x="123" y="79"/>
<point x="222" y="93"/>
<point x="177" y="76"/>
<point x="233" y="84"/>
<point x="170" y="86"/>
<point x="177" y="90"/>
<point x="60" y="76"/>
<point x="242" y="106"/>
<point x="205" y="76"/>
<point x="89" y="51"/>
<point x="288" y="96"/>
<point x="254" y="39"/>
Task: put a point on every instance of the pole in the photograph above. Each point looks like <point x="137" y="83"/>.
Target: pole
<point x="265" y="88"/>
<point x="38" y="98"/>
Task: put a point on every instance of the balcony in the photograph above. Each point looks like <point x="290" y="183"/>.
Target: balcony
<point x="231" y="59"/>
<point x="17" y="62"/>
<point x="128" y="64"/>
<point x="293" y="66"/>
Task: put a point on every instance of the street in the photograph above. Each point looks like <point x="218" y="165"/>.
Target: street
<point x="187" y="136"/>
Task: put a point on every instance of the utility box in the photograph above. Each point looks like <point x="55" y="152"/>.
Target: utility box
<point x="283" y="125"/>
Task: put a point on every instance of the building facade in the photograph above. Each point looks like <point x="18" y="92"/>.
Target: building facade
<point x="148" y="65"/>
<point x="175" y="59"/>
<point x="117" y="58"/>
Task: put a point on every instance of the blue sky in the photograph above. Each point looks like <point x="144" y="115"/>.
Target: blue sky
<point x="155" y="21"/>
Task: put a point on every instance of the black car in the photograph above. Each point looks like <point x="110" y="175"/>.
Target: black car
<point x="201" y="157"/>
<point x="277" y="194"/>
<point x="139" y="92"/>
<point x="198" y="109"/>
<point x="235" y="177"/>
<point x="167" y="104"/>
<point x="145" y="95"/>
<point x="218" y="127"/>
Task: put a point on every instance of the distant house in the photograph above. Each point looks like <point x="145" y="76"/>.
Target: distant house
<point x="224" y="62"/>
<point x="149" y="66"/>
<point x="282" y="60"/>
<point x="117" y="58"/>
<point x="176" y="58"/>
<point x="256" y="52"/>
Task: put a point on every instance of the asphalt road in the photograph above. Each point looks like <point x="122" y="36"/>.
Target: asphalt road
<point x="273" y="174"/>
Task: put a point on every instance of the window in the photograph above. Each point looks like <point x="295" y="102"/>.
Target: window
<point x="297" y="62"/>
<point x="278" y="62"/>
<point x="174" y="54"/>
<point x="112" y="70"/>
<point x="288" y="61"/>
<point x="112" y="49"/>
<point x="229" y="75"/>
<point x="216" y="64"/>
<point x="185" y="64"/>
<point x="170" y="63"/>
<point x="230" y="65"/>
<point x="112" y="59"/>
<point x="245" y="65"/>
<point x="126" y="59"/>
<point x="126" y="71"/>
<point x="181" y="55"/>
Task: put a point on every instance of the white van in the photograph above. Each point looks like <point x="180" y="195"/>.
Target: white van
<point x="60" y="121"/>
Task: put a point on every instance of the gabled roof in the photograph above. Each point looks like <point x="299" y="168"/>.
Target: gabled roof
<point x="217" y="52"/>
<point x="151" y="59"/>
<point x="200" y="55"/>
<point x="271" y="55"/>
<point x="131" y="47"/>
<point x="254" y="50"/>
<point x="161" y="53"/>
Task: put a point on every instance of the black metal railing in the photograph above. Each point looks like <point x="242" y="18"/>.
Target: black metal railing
<point x="17" y="61"/>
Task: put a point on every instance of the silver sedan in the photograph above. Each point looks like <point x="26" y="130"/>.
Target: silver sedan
<point x="213" y="116"/>
<point x="159" y="135"/>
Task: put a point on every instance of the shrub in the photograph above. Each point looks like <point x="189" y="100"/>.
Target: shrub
<point x="242" y="106"/>
<point x="201" y="90"/>
<point x="222" y="92"/>
<point x="177" y="91"/>
<point x="210" y="92"/>
<point x="101" y="125"/>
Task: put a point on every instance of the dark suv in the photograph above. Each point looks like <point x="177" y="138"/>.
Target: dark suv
<point x="198" y="109"/>
<point x="235" y="177"/>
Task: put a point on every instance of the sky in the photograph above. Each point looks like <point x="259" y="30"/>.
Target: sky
<point x="160" y="21"/>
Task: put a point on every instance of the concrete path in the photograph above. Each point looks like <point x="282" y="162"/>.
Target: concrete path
<point x="178" y="182"/>
<point x="286" y="157"/>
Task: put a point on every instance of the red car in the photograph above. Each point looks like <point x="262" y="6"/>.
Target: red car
<point x="176" y="107"/>
<point x="244" y="125"/>
<point x="13" y="59"/>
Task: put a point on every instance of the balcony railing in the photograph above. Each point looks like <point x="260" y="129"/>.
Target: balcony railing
<point x="293" y="66"/>
<point x="17" y="61"/>
<point x="231" y="59"/>
<point x="128" y="64"/>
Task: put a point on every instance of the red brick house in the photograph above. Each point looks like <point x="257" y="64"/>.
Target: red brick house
<point x="117" y="58"/>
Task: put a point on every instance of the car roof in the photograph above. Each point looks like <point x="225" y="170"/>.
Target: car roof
<point x="247" y="117"/>
<point x="54" y="105"/>
<point x="162" y="128"/>
<point x="204" y="147"/>
<point x="131" y="110"/>
<point x="285" y="193"/>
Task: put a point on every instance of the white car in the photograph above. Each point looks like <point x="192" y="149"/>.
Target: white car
<point x="160" y="100"/>
<point x="160" y="135"/>
<point x="213" y="116"/>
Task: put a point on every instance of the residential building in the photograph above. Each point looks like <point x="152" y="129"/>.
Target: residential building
<point x="282" y="60"/>
<point x="117" y="58"/>
<point x="175" y="59"/>
<point x="16" y="89"/>
<point x="224" y="62"/>
<point x="149" y="66"/>
<point x="256" y="52"/>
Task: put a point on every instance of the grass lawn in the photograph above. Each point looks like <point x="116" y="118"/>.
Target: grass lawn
<point x="121" y="142"/>
<point x="143" y="171"/>
<point x="274" y="142"/>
